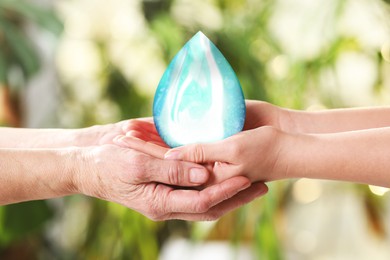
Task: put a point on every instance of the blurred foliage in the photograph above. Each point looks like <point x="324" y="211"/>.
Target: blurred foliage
<point x="19" y="61"/>
<point x="244" y="37"/>
<point x="18" y="220"/>
<point x="17" y="51"/>
<point x="116" y="232"/>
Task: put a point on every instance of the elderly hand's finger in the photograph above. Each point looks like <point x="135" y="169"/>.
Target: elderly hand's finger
<point x="148" y="169"/>
<point x="243" y="197"/>
<point x="193" y="201"/>
<point x="141" y="145"/>
<point x="140" y="124"/>
<point x="148" y="137"/>
<point x="144" y="129"/>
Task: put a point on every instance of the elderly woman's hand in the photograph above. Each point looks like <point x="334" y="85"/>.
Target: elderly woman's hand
<point x="150" y="185"/>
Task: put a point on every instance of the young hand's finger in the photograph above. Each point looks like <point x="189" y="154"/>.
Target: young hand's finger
<point x="201" y="153"/>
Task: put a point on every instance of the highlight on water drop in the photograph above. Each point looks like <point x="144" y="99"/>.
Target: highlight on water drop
<point x="199" y="98"/>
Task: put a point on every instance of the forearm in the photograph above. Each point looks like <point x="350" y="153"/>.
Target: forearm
<point x="337" y="120"/>
<point x="357" y="156"/>
<point x="35" y="138"/>
<point x="33" y="174"/>
<point x="48" y="138"/>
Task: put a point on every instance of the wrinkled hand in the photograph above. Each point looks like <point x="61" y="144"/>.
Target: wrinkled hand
<point x="146" y="184"/>
<point x="101" y="134"/>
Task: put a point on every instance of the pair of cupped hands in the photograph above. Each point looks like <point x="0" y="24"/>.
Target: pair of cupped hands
<point x="197" y="182"/>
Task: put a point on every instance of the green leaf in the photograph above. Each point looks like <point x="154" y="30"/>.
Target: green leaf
<point x="19" y="220"/>
<point x="170" y="36"/>
<point x="21" y="48"/>
<point x="267" y="243"/>
<point x="124" y="93"/>
<point x="3" y="68"/>
<point x="46" y="18"/>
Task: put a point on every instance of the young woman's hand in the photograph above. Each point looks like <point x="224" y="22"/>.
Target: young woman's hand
<point x="252" y="153"/>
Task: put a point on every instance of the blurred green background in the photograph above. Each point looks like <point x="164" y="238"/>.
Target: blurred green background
<point x="77" y="63"/>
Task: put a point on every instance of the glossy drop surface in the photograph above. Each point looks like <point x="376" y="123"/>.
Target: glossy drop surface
<point x="199" y="98"/>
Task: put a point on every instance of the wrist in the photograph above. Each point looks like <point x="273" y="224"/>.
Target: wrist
<point x="281" y="153"/>
<point x="294" y="121"/>
<point x="83" y="137"/>
<point x="295" y="151"/>
<point x="95" y="135"/>
<point x="287" y="120"/>
<point x="78" y="161"/>
<point x="58" y="170"/>
<point x="87" y="164"/>
<point x="34" y="174"/>
<point x="88" y="136"/>
<point x="71" y="159"/>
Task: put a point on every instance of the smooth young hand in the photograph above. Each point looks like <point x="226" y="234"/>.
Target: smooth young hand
<point x="234" y="156"/>
<point x="267" y="153"/>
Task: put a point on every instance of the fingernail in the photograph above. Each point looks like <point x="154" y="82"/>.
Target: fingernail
<point x="247" y="185"/>
<point x="198" y="176"/>
<point x="173" y="155"/>
<point x="263" y="189"/>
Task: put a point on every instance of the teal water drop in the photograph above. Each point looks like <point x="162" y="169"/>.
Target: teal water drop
<point x="199" y="98"/>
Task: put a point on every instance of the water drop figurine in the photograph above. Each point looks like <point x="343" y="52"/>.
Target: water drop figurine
<point x="199" y="98"/>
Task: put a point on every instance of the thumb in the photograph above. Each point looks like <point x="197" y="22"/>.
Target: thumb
<point x="198" y="153"/>
<point x="175" y="173"/>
